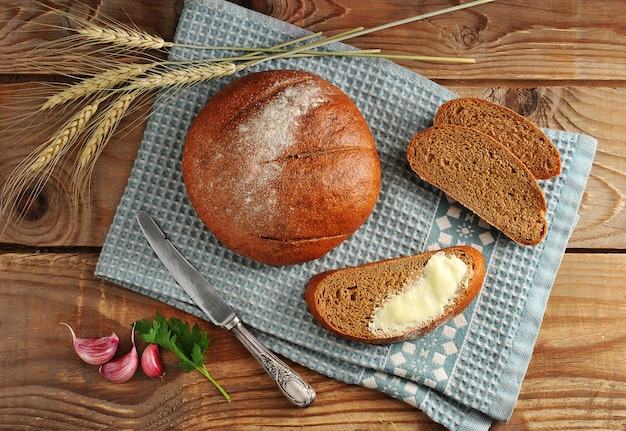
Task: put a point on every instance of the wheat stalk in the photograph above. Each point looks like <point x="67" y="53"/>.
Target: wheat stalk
<point x="103" y="81"/>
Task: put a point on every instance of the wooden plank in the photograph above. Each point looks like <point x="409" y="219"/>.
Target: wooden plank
<point x="596" y="111"/>
<point x="510" y="40"/>
<point x="576" y="379"/>
<point x="548" y="41"/>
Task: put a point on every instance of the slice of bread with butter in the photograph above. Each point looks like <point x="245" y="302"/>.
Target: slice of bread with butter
<point x="397" y="299"/>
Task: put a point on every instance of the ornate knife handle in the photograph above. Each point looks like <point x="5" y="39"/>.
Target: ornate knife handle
<point x="288" y="381"/>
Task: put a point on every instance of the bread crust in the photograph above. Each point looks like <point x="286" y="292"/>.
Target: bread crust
<point x="484" y="176"/>
<point x="281" y="166"/>
<point x="368" y="289"/>
<point x="511" y="129"/>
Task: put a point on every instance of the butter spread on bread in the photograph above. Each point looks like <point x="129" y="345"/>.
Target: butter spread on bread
<point x="424" y="297"/>
<point x="511" y="129"/>
<point x="345" y="300"/>
<point x="484" y="176"/>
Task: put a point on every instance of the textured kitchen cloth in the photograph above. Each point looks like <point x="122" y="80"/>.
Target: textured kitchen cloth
<point x="466" y="373"/>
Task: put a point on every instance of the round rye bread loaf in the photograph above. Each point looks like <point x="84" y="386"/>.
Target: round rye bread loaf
<point x="281" y="167"/>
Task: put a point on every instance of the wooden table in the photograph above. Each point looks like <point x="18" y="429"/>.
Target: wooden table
<point x="560" y="63"/>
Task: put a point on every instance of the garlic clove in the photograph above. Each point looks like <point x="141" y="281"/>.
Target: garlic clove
<point x="95" y="351"/>
<point x="123" y="368"/>
<point x="151" y="361"/>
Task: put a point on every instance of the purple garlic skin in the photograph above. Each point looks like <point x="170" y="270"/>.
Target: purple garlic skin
<point x="95" y="351"/>
<point x="151" y="361"/>
<point x="120" y="370"/>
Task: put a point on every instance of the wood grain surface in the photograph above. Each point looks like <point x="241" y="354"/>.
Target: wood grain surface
<point x="576" y="378"/>
<point x="560" y="63"/>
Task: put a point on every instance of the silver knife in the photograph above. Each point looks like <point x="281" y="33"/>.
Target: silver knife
<point x="221" y="314"/>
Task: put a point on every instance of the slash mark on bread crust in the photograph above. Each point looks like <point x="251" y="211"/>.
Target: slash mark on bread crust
<point x="313" y="154"/>
<point x="292" y="240"/>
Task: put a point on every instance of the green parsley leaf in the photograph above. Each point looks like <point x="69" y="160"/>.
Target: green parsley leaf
<point x="197" y="354"/>
<point x="188" y="343"/>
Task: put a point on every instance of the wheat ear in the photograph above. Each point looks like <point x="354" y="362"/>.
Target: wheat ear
<point x="65" y="137"/>
<point x="106" y="80"/>
<point x="121" y="35"/>
<point x="105" y="126"/>
<point x="182" y="76"/>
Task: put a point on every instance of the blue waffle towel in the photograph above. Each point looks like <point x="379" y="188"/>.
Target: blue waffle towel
<point x="463" y="375"/>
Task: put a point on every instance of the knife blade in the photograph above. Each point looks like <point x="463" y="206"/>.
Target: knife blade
<point x="206" y="297"/>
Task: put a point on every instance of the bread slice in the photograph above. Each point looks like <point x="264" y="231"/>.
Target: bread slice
<point x="344" y="300"/>
<point x="512" y="130"/>
<point x="484" y="176"/>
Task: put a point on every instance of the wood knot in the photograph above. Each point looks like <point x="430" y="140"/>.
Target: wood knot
<point x="467" y="38"/>
<point x="43" y="214"/>
<point x="524" y="101"/>
<point x="299" y="12"/>
<point x="33" y="205"/>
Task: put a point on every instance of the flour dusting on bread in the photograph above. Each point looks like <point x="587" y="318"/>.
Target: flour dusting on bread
<point x="268" y="136"/>
<point x="271" y="130"/>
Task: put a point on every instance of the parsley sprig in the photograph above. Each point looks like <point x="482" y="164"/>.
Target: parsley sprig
<point x="188" y="343"/>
